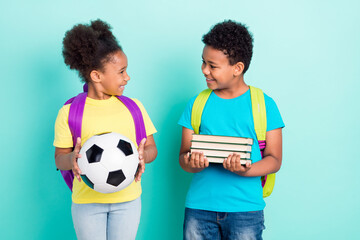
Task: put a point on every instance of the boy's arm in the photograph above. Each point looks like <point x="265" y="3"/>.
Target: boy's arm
<point x="272" y="158"/>
<point x="194" y="163"/>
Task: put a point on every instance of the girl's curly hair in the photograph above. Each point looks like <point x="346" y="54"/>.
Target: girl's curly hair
<point x="88" y="47"/>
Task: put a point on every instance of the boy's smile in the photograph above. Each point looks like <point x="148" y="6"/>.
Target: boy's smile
<point x="216" y="68"/>
<point x="220" y="75"/>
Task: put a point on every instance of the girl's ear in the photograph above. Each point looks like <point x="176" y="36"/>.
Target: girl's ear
<point x="238" y="68"/>
<point x="95" y="76"/>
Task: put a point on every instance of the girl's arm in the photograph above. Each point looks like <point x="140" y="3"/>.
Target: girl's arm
<point x="271" y="161"/>
<point x="66" y="159"/>
<point x="147" y="153"/>
<point x="194" y="163"/>
<point x="150" y="150"/>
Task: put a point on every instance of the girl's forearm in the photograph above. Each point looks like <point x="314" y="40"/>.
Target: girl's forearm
<point x="150" y="153"/>
<point x="63" y="161"/>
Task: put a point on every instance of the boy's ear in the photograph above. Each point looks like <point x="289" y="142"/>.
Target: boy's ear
<point x="238" y="68"/>
<point x="95" y="76"/>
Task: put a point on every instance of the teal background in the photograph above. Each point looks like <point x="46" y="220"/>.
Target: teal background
<point x="306" y="56"/>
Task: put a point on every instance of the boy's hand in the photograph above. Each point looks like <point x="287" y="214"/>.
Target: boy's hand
<point x="141" y="167"/>
<point x="74" y="157"/>
<point x="196" y="160"/>
<point x="232" y="163"/>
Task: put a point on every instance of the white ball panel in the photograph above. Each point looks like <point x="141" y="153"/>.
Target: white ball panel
<point x="112" y="159"/>
<point x="97" y="173"/>
<point x="83" y="163"/>
<point x="105" y="188"/>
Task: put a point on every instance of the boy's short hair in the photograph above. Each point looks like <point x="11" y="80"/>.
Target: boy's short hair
<point x="233" y="39"/>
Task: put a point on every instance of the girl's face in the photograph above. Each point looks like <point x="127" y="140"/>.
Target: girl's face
<point x="217" y="70"/>
<point x="114" y="76"/>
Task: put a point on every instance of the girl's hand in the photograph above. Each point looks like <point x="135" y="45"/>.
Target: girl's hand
<point x="74" y="156"/>
<point x="141" y="167"/>
<point x="232" y="163"/>
<point x="196" y="160"/>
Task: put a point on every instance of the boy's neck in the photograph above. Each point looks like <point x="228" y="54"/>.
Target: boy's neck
<point x="235" y="90"/>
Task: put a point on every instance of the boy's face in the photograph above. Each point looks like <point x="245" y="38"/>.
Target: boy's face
<point x="217" y="69"/>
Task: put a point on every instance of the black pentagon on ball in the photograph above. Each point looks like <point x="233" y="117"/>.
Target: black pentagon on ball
<point x="125" y="147"/>
<point x="87" y="181"/>
<point x="94" y="153"/>
<point x="115" y="178"/>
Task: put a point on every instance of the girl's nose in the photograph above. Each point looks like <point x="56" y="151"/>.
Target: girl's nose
<point x="127" y="77"/>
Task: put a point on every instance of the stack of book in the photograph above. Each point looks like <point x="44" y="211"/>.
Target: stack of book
<point x="217" y="148"/>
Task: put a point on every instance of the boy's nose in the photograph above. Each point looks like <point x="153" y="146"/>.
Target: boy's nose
<point x="205" y="70"/>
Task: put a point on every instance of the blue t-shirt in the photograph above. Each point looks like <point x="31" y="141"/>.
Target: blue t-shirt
<point x="215" y="188"/>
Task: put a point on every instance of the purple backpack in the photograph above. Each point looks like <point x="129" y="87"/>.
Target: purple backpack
<point x="75" y="121"/>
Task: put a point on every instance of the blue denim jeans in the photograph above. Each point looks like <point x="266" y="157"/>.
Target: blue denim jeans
<point x="200" y="224"/>
<point x="99" y="221"/>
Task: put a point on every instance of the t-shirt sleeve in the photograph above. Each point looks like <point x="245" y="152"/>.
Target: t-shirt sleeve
<point x="149" y="126"/>
<point x="63" y="137"/>
<point x="185" y="119"/>
<point x="273" y="116"/>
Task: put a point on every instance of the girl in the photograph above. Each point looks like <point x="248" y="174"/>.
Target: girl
<point x="100" y="61"/>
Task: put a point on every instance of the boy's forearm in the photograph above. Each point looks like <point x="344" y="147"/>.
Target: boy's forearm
<point x="267" y="165"/>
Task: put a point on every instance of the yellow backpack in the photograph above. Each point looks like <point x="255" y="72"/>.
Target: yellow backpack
<point x="259" y="115"/>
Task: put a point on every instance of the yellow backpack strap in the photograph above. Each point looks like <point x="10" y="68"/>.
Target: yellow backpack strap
<point x="198" y="108"/>
<point x="259" y="115"/>
<point x="259" y="112"/>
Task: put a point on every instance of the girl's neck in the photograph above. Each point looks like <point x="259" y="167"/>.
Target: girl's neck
<point x="95" y="93"/>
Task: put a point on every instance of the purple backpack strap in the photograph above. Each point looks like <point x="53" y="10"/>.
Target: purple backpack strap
<point x="137" y="116"/>
<point x="75" y="120"/>
<point x="262" y="145"/>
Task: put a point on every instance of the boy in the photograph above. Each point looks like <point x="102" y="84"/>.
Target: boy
<point x="225" y="200"/>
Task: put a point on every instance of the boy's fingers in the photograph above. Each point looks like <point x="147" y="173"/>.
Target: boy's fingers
<point x="206" y="161"/>
<point x="224" y="163"/>
<point x="187" y="157"/>
<point x="228" y="161"/>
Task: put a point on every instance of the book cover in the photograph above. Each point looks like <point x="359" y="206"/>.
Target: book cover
<point x="221" y="160"/>
<point x="221" y="146"/>
<point x="221" y="153"/>
<point x="222" y="139"/>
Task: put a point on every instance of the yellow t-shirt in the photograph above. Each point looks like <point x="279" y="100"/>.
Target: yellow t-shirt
<point x="100" y="116"/>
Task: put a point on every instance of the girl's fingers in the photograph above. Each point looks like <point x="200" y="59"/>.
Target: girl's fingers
<point x="140" y="171"/>
<point x="77" y="145"/>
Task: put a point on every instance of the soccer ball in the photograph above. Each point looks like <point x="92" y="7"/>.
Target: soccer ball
<point x="108" y="162"/>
